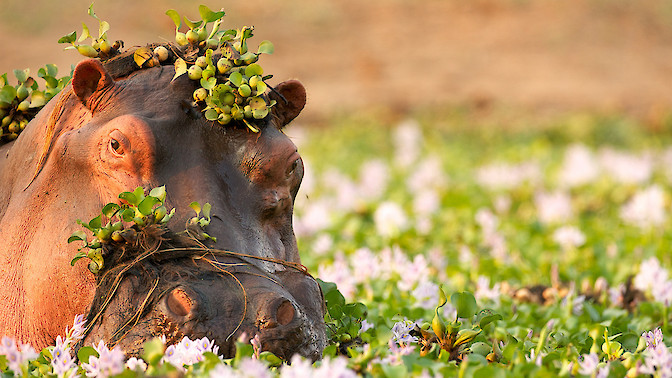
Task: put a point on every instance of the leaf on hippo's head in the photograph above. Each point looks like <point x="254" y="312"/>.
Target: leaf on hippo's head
<point x="68" y="38"/>
<point x="141" y="55"/>
<point x="196" y="206"/>
<point x="180" y="68"/>
<point x="159" y="192"/>
<point x="77" y="235"/>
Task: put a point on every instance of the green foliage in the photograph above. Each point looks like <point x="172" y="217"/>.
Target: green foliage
<point x="21" y="102"/>
<point x="235" y="82"/>
<point x="120" y="223"/>
<point x="99" y="47"/>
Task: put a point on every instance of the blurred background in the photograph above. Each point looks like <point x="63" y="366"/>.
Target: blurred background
<point x="396" y="57"/>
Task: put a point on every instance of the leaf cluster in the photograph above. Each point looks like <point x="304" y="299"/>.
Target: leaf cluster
<point x="99" y="47"/>
<point x="21" y="102"/>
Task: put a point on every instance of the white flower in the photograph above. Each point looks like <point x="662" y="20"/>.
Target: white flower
<point x="579" y="166"/>
<point x="507" y="176"/>
<point x="646" y="208"/>
<point x="407" y="142"/>
<point x="426" y="295"/>
<point x="299" y="368"/>
<point x="553" y="207"/>
<point x="569" y="237"/>
<point x="650" y="274"/>
<point x="322" y="244"/>
<point x="315" y="217"/>
<point x="390" y="219"/>
<point x="427" y="175"/>
<point x="626" y="168"/>
<point x="588" y="363"/>
<point x="484" y="292"/>
<point x="339" y="273"/>
<point x="426" y="202"/>
<point x="137" y="364"/>
<point x="374" y="175"/>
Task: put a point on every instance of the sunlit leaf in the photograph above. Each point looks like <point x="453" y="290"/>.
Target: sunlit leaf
<point x="130" y="198"/>
<point x="254" y="69"/>
<point x="196" y="206"/>
<point x="159" y="192"/>
<point x="206" y="210"/>
<point x="141" y="55"/>
<point x="266" y="47"/>
<point x="103" y="28"/>
<point x="180" y="67"/>
<point x="209" y="83"/>
<point x="211" y="115"/>
<point x="236" y="78"/>
<point x="110" y="209"/>
<point x="465" y="303"/>
<point x="22" y="75"/>
<point x="91" y="12"/>
<point x="85" y="33"/>
<point x="7" y="94"/>
<point x="191" y="24"/>
<point x="146" y="205"/>
<point x="209" y="16"/>
<point x="78" y="235"/>
<point x="69" y="38"/>
<point x="177" y="20"/>
<point x="95" y="222"/>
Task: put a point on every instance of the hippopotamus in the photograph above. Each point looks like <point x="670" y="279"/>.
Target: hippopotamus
<point x="114" y="129"/>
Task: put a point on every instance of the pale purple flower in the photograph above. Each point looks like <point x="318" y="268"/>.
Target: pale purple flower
<point x="427" y="175"/>
<point x="16" y="359"/>
<point x="650" y="274"/>
<point x="315" y="217"/>
<point x="426" y="202"/>
<point x="507" y="176"/>
<point x="253" y="368"/>
<point x="322" y="244"/>
<point x="502" y="204"/>
<point x="484" y="292"/>
<point x="465" y="255"/>
<point x="334" y="368"/>
<point x="579" y="166"/>
<point x="577" y="303"/>
<point x="299" y="368"/>
<point x="339" y="273"/>
<point x="365" y="326"/>
<point x="366" y="266"/>
<point x="553" y="207"/>
<point x="401" y="333"/>
<point x="77" y="331"/>
<point x="256" y="345"/>
<point x="426" y="295"/>
<point x="569" y="237"/>
<point x="396" y="352"/>
<point x="603" y="372"/>
<point x="108" y="363"/>
<point x="136" y="364"/>
<point x="223" y="371"/>
<point x="627" y="168"/>
<point x="413" y="272"/>
<point x="373" y="178"/>
<point x="188" y="352"/>
<point x="487" y="220"/>
<point x="407" y="140"/>
<point x="390" y="219"/>
<point x="662" y="293"/>
<point x="534" y="357"/>
<point x="588" y="363"/>
<point x="653" y="338"/>
<point x="646" y="208"/>
<point x="62" y="361"/>
<point x="616" y="295"/>
<point x="657" y="361"/>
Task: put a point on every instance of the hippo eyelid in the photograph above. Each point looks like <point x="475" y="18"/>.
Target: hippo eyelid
<point x="118" y="144"/>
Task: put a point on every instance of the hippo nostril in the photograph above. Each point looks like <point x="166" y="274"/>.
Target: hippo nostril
<point x="179" y="302"/>
<point x="285" y="313"/>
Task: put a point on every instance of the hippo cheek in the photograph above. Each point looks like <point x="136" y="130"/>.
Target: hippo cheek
<point x="127" y="152"/>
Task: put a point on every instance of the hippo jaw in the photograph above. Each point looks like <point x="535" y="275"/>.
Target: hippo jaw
<point x="198" y="296"/>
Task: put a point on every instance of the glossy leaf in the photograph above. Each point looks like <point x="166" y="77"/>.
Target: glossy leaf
<point x="78" y="235"/>
<point x="85" y="33"/>
<point x="254" y="69"/>
<point x="236" y="79"/>
<point x="130" y="198"/>
<point x="180" y="67"/>
<point x="191" y="24"/>
<point x="465" y="303"/>
<point x="177" y="20"/>
<point x="68" y="38"/>
<point x="95" y="222"/>
<point x="159" y="192"/>
<point x="211" y="115"/>
<point x="209" y="16"/>
<point x="196" y="206"/>
<point x="141" y="55"/>
<point x="266" y="47"/>
<point x="146" y="205"/>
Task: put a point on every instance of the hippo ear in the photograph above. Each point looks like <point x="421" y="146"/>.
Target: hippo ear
<point x="291" y="98"/>
<point x="89" y="80"/>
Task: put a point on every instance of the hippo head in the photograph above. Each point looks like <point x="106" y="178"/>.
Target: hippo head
<point x="107" y="135"/>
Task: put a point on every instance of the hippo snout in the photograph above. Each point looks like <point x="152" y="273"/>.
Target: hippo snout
<point x="274" y="312"/>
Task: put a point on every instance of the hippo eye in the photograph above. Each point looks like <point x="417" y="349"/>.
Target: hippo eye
<point x="292" y="168"/>
<point x="116" y="147"/>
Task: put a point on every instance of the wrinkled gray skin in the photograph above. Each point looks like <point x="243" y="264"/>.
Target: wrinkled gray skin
<point x="104" y="136"/>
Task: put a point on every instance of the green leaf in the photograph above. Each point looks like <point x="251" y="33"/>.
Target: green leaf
<point x="95" y="223"/>
<point x="192" y="24"/>
<point x="206" y="210"/>
<point x="52" y="70"/>
<point x="209" y="83"/>
<point x="103" y="28"/>
<point x="180" y="68"/>
<point x="127" y="215"/>
<point x="159" y="192"/>
<point x="211" y="115"/>
<point x="486" y="316"/>
<point x="91" y="12"/>
<point x="209" y="16"/>
<point x="77" y="235"/>
<point x="130" y="198"/>
<point x="334" y="297"/>
<point x="196" y="206"/>
<point x="7" y="94"/>
<point x="266" y="47"/>
<point x="465" y="303"/>
<point x="172" y="13"/>
<point x="146" y="205"/>
<point x="139" y="193"/>
<point x="22" y="75"/>
<point x="254" y="69"/>
<point x="78" y="256"/>
<point x="68" y="38"/>
<point x="236" y="78"/>
<point x="85" y="33"/>
<point x="110" y="209"/>
<point x="84" y="353"/>
<point x="261" y="88"/>
<point x="37" y="99"/>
